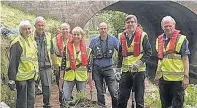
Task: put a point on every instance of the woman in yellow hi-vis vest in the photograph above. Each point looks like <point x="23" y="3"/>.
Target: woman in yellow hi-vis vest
<point x="173" y="65"/>
<point x="23" y="66"/>
<point x="75" y="71"/>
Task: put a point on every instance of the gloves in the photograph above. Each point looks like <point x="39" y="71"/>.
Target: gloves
<point x="12" y="85"/>
<point x="118" y="72"/>
<point x="135" y="66"/>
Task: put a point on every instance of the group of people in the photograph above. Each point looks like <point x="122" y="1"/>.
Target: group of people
<point x="36" y="54"/>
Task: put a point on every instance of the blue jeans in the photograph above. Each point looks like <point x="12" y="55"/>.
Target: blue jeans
<point x="25" y="93"/>
<point x="45" y="76"/>
<point x="68" y="88"/>
<point x="107" y="74"/>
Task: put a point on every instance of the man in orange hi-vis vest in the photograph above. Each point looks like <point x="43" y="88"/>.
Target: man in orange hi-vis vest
<point x="173" y="65"/>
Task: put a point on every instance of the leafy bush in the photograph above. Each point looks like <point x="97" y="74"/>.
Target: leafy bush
<point x="10" y="18"/>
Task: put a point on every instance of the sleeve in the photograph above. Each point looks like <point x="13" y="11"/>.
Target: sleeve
<point x="120" y="57"/>
<point x="90" y="60"/>
<point x="147" y="49"/>
<point x="184" y="48"/>
<point x="14" y="59"/>
<point x="116" y="43"/>
<point x="92" y="42"/>
<point x="52" y="49"/>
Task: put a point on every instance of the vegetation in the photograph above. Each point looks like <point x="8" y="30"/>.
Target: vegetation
<point x="152" y="99"/>
<point x="10" y="18"/>
<point x="115" y="20"/>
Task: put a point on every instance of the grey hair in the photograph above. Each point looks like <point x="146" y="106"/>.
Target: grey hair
<point x="39" y="18"/>
<point x="24" y="23"/>
<point x="131" y="16"/>
<point x="78" y="29"/>
<point x="168" y="18"/>
<point x="65" y="25"/>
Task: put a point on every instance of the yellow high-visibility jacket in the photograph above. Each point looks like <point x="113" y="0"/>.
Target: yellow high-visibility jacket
<point x="28" y="65"/>
<point x="171" y="67"/>
<point x="129" y="60"/>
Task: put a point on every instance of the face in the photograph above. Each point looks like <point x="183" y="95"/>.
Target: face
<point x="26" y="31"/>
<point x="103" y="29"/>
<point x="65" y="30"/>
<point x="40" y="27"/>
<point x="168" y="27"/>
<point x="131" y="25"/>
<point x="77" y="36"/>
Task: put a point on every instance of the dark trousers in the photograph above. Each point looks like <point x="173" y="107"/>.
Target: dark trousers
<point x="45" y="76"/>
<point x="134" y="81"/>
<point x="107" y="74"/>
<point x="25" y="94"/>
<point x="171" y="93"/>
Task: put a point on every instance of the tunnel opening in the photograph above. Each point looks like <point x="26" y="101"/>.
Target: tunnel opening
<point x="150" y="13"/>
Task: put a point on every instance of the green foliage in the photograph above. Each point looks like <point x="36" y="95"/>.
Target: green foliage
<point x="191" y="96"/>
<point x="90" y="33"/>
<point x="152" y="99"/>
<point x="115" y="20"/>
<point x="10" y="18"/>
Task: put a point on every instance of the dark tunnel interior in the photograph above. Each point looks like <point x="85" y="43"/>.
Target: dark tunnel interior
<point x="150" y="13"/>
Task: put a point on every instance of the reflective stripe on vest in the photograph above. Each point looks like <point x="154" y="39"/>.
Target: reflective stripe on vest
<point x="130" y="60"/>
<point x="22" y="74"/>
<point x="172" y="73"/>
<point x="173" y="56"/>
<point x="28" y="59"/>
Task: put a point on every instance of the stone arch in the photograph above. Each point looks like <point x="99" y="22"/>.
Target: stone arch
<point x="150" y="13"/>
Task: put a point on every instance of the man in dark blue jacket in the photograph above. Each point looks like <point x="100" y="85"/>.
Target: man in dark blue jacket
<point x="102" y="49"/>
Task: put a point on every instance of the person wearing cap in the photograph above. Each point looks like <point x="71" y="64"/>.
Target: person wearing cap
<point x="45" y="51"/>
<point x="23" y="66"/>
<point x="134" y="51"/>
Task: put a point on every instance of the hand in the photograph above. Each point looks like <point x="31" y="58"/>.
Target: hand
<point x="56" y="71"/>
<point x="60" y="85"/>
<point x="135" y="66"/>
<point x="12" y="85"/>
<point x="118" y="76"/>
<point x="118" y="72"/>
<point x="156" y="81"/>
<point x="90" y="82"/>
<point x="185" y="82"/>
<point x="55" y="67"/>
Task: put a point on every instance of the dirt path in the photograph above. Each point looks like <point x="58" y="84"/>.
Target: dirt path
<point x="55" y="102"/>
